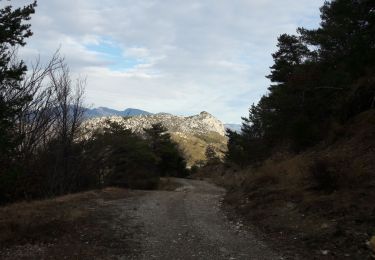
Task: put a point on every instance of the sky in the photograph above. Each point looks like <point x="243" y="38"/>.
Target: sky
<point x="175" y="56"/>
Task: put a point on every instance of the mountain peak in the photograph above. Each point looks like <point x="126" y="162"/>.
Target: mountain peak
<point x="192" y="133"/>
<point x="205" y="113"/>
<point x="197" y="124"/>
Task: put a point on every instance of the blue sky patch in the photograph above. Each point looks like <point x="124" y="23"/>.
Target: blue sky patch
<point x="114" y="54"/>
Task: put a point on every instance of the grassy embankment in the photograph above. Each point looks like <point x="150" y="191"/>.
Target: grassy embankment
<point x="320" y="202"/>
<point x="75" y="226"/>
<point x="84" y="225"/>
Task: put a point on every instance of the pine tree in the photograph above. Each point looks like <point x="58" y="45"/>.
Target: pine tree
<point x="171" y="161"/>
<point x="13" y="32"/>
<point x="320" y="77"/>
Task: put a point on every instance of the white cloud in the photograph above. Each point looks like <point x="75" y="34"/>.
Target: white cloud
<point x="192" y="55"/>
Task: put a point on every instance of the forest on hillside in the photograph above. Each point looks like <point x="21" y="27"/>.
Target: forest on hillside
<point x="321" y="78"/>
<point x="302" y="168"/>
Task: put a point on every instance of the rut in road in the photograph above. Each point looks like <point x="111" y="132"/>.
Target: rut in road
<point x="188" y="224"/>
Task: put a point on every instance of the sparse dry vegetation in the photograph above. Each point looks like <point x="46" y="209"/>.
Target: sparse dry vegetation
<point x="303" y="166"/>
<point x="315" y="201"/>
<point x="77" y="226"/>
<point x="194" y="146"/>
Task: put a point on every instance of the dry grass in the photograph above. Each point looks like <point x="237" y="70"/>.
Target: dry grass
<point x="194" y="146"/>
<point x="319" y="200"/>
<point x="44" y="220"/>
<point x="89" y="225"/>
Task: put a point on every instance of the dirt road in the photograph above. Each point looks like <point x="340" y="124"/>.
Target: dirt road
<point x="188" y="223"/>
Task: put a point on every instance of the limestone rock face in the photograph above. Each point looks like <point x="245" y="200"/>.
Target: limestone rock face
<point x="193" y="134"/>
<point x="203" y="123"/>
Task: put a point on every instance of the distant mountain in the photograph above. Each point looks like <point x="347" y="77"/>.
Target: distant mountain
<point x="192" y="133"/>
<point x="233" y="127"/>
<point x="202" y="123"/>
<point x="135" y="112"/>
<point x="105" y="111"/>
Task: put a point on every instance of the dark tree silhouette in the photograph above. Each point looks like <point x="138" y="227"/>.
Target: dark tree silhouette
<point x="170" y="159"/>
<point x="320" y="78"/>
<point x="13" y="32"/>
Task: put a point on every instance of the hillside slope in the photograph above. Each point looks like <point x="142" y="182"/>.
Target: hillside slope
<point x="319" y="202"/>
<point x="194" y="146"/>
<point x="193" y="134"/>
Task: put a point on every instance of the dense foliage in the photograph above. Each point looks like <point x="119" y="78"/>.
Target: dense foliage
<point x="116" y="156"/>
<point x="170" y="159"/>
<point x="13" y="32"/>
<point x="320" y="79"/>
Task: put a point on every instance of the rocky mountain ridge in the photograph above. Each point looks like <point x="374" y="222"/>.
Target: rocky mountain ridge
<point x="193" y="134"/>
<point x="106" y="112"/>
<point x="202" y="123"/>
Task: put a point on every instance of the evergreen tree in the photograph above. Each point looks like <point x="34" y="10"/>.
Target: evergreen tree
<point x="119" y="157"/>
<point x="211" y="155"/>
<point x="13" y="32"/>
<point x="171" y="162"/>
<point x="319" y="77"/>
<point x="345" y="43"/>
<point x="158" y="136"/>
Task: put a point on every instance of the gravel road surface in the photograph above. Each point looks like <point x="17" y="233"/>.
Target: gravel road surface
<point x="188" y="223"/>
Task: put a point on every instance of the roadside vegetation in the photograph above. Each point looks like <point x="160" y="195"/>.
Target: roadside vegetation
<point x="302" y="168"/>
<point x="76" y="226"/>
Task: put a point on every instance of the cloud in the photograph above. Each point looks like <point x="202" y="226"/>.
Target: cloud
<point x="172" y="56"/>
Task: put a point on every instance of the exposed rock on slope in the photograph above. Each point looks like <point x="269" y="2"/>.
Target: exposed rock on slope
<point x="198" y="124"/>
<point x="192" y="133"/>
